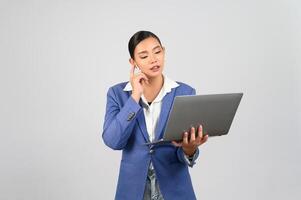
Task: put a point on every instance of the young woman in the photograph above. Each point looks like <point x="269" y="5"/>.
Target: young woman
<point x="136" y="113"/>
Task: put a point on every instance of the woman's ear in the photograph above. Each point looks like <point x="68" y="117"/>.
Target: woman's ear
<point x="132" y="62"/>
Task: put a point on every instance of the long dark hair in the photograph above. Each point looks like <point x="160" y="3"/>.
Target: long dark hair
<point x="137" y="38"/>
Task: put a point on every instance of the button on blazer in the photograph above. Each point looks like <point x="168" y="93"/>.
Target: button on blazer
<point x="125" y="129"/>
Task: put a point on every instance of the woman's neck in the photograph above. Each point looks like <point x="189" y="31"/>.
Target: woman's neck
<point x="152" y="89"/>
<point x="155" y="83"/>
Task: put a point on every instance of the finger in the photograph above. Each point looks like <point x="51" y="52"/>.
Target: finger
<point x="185" y="138"/>
<point x="143" y="77"/>
<point x="178" y="144"/>
<point x="199" y="138"/>
<point x="205" y="138"/>
<point x="192" y="135"/>
<point x="200" y="132"/>
<point x="132" y="70"/>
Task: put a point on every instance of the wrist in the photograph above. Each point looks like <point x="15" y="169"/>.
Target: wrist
<point x="136" y="97"/>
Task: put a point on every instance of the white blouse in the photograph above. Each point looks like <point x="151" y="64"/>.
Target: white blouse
<point x="152" y="112"/>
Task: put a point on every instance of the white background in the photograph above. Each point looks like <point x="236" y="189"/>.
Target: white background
<point x="58" y="58"/>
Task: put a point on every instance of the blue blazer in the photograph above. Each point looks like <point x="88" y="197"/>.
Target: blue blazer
<point x="125" y="129"/>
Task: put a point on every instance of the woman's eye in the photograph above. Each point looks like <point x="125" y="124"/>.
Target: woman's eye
<point x="157" y="52"/>
<point x="143" y="57"/>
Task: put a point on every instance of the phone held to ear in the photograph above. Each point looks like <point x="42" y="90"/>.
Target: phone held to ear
<point x="137" y="70"/>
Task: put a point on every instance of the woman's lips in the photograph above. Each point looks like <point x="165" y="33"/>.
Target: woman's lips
<point x="155" y="68"/>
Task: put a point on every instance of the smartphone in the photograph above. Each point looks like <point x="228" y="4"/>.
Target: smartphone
<point x="137" y="70"/>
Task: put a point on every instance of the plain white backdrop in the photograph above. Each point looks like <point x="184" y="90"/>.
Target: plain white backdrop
<point x="58" y="59"/>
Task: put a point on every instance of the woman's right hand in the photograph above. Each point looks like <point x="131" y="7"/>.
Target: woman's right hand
<point x="137" y="81"/>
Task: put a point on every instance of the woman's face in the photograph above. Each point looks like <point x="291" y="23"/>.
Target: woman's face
<point x="149" y="57"/>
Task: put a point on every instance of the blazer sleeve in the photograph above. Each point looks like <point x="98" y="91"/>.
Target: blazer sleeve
<point x="180" y="153"/>
<point x="119" y="122"/>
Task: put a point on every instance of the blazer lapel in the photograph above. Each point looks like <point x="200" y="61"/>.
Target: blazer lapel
<point x="165" y="109"/>
<point x="142" y="124"/>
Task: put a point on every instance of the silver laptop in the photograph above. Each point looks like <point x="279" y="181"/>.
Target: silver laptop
<point x="215" y="112"/>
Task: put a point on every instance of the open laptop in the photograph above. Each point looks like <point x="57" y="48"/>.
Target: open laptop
<point x="215" y="112"/>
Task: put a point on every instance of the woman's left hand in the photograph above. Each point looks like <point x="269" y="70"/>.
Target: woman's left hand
<point x="189" y="147"/>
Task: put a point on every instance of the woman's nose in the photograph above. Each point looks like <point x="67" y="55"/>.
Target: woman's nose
<point x="153" y="58"/>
